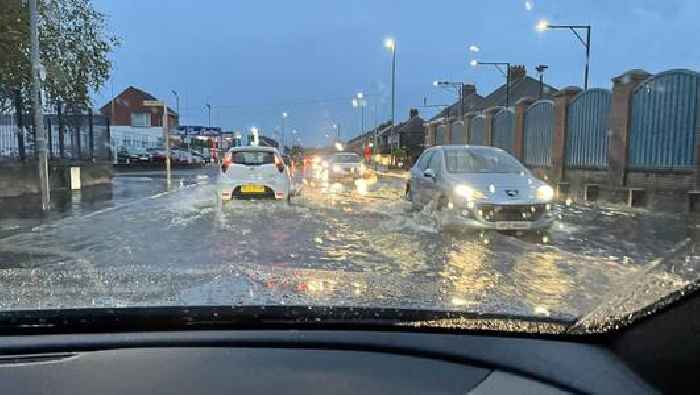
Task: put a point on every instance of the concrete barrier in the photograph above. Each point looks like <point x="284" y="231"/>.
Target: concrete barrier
<point x="20" y="178"/>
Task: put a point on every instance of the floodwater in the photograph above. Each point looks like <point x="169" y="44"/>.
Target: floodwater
<point x="144" y="244"/>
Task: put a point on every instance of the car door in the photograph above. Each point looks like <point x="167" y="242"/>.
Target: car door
<point x="430" y="188"/>
<point x="420" y="182"/>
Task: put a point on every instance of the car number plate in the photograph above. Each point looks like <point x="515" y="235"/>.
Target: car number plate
<point x="513" y="225"/>
<point x="252" y="188"/>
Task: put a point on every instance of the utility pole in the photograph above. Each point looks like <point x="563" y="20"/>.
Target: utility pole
<point x="540" y="70"/>
<point x="166" y="133"/>
<point x="209" y="109"/>
<point x="40" y="132"/>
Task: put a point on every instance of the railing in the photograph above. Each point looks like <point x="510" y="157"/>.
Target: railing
<point x="81" y="136"/>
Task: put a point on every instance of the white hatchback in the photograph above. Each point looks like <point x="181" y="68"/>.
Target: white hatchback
<point x="254" y="173"/>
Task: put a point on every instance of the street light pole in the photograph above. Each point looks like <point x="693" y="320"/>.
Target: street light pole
<point x="284" y="126"/>
<point x="42" y="154"/>
<point x="544" y="25"/>
<point x="390" y="43"/>
<point x="209" y="109"/>
<point x="506" y="74"/>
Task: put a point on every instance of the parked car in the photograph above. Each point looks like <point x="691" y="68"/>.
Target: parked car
<point x="254" y="173"/>
<point x="480" y="187"/>
<point x="197" y="158"/>
<point x="157" y="154"/>
<point x="132" y="156"/>
<point x="345" y="166"/>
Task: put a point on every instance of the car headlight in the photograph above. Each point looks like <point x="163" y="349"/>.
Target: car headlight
<point x="468" y="192"/>
<point x="545" y="193"/>
<point x="337" y="169"/>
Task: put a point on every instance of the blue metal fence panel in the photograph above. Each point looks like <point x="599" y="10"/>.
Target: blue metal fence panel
<point x="477" y="132"/>
<point x="441" y="135"/>
<point x="539" y="123"/>
<point x="662" y="129"/>
<point x="504" y="130"/>
<point x="458" y="133"/>
<point x="587" y="130"/>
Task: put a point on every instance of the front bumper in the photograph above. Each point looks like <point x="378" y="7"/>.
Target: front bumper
<point x="474" y="219"/>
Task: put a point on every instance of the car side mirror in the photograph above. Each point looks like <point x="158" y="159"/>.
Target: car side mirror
<point x="429" y="173"/>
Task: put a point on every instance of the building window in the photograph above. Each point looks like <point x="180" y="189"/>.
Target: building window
<point x="141" y="119"/>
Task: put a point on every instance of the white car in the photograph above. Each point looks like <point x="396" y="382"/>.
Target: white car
<point x="254" y="173"/>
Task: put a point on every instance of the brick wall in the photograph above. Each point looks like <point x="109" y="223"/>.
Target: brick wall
<point x="131" y="101"/>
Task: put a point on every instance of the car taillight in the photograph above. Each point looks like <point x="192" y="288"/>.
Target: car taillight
<point x="279" y="164"/>
<point x="227" y="161"/>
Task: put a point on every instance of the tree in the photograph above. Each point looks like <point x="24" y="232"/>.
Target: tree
<point x="75" y="46"/>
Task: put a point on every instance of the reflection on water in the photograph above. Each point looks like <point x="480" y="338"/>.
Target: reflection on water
<point x="178" y="246"/>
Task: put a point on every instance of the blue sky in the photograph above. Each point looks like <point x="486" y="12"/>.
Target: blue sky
<point x="253" y="60"/>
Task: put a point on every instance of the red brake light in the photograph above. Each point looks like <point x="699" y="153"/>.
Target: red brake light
<point x="279" y="164"/>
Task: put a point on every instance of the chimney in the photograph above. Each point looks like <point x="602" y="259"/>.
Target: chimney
<point x="517" y="72"/>
<point x="468" y="90"/>
<point x="412" y="113"/>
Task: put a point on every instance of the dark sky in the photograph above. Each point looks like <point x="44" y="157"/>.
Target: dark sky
<point x="253" y="60"/>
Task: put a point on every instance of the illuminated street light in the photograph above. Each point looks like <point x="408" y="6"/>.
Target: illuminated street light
<point x="474" y="63"/>
<point x="285" y="115"/>
<point x="390" y="44"/>
<point x="544" y="25"/>
<point x="473" y="48"/>
<point x="360" y="95"/>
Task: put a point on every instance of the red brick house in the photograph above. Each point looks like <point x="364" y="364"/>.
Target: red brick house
<point x="129" y="110"/>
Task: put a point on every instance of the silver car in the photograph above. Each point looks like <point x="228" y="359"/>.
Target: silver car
<point x="480" y="187"/>
<point x="345" y="165"/>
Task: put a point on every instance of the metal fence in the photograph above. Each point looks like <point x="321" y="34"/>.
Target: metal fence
<point x="441" y="135"/>
<point x="458" y="133"/>
<point x="539" y="122"/>
<point x="75" y="136"/>
<point x="663" y="121"/>
<point x="477" y="130"/>
<point x="503" y="130"/>
<point x="587" y="130"/>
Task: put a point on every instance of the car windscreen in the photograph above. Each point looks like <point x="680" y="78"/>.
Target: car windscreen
<point x="253" y="157"/>
<point x="481" y="161"/>
<point x="346" y="158"/>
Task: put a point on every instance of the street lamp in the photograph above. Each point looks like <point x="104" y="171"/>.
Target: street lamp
<point x="166" y="133"/>
<point x="177" y="104"/>
<point x="474" y="48"/>
<point x="284" y="126"/>
<point x="475" y="63"/>
<point x="359" y="102"/>
<point x="390" y="44"/>
<point x="459" y="87"/>
<point x="208" y="106"/>
<point x="543" y="25"/>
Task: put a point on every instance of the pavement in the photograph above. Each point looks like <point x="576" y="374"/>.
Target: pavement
<point x="150" y="244"/>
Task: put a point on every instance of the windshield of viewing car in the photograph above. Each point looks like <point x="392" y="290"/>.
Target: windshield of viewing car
<point x="481" y="161"/>
<point x="515" y="160"/>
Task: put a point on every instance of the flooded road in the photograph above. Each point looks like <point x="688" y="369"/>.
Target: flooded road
<point x="152" y="245"/>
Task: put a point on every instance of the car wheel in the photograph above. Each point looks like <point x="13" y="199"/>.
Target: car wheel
<point x="440" y="214"/>
<point x="412" y="198"/>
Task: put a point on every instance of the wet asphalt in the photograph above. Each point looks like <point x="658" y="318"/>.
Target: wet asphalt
<point x="142" y="243"/>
